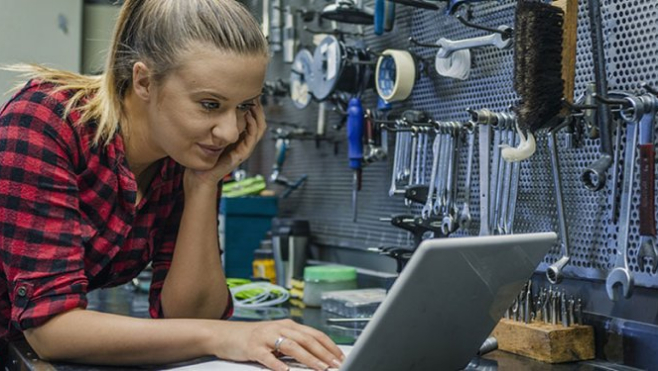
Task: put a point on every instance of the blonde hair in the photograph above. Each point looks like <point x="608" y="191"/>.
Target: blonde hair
<point x="155" y="32"/>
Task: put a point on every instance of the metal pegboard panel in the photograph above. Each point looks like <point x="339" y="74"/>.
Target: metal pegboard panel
<point x="631" y="47"/>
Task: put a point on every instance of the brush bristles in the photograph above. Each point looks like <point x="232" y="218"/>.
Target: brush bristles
<point x="538" y="63"/>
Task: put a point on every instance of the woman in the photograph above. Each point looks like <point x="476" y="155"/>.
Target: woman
<point x="101" y="175"/>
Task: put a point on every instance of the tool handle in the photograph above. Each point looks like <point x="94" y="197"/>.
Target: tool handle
<point x="355" y="133"/>
<point x="370" y="130"/>
<point x="281" y="148"/>
<point x="389" y="16"/>
<point x="415" y="117"/>
<point x="380" y="7"/>
<point x="647" y="188"/>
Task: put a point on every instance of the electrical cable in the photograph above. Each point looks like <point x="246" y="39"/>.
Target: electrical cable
<point x="256" y="294"/>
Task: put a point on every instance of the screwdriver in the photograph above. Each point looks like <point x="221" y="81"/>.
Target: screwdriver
<point x="355" y="147"/>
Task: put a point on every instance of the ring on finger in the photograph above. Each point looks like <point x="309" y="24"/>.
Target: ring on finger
<point x="277" y="344"/>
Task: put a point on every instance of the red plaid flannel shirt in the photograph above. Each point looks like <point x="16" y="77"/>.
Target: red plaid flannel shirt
<point x="68" y="218"/>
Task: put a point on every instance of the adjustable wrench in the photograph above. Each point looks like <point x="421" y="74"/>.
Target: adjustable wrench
<point x="621" y="275"/>
<point x="644" y="111"/>
<point x="554" y="272"/>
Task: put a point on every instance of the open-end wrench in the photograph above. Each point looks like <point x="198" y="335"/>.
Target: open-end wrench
<point x="422" y="174"/>
<point x="514" y="188"/>
<point x="497" y="39"/>
<point x="436" y="147"/>
<point x="441" y="179"/>
<point x="483" y="118"/>
<point x="554" y="272"/>
<point x="450" y="221"/>
<point x="621" y="277"/>
<point x="403" y="169"/>
<point x="414" y="155"/>
<point x="465" y="215"/>
<point x="500" y="177"/>
<point x="507" y="176"/>
<point x="494" y="173"/>
<point x="644" y="111"/>
<point x="396" y="164"/>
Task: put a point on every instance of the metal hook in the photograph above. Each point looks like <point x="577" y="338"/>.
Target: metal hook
<point x="577" y="107"/>
<point x="335" y="32"/>
<point x="506" y="33"/>
<point x="414" y="41"/>
<point x="606" y="100"/>
<point x="649" y="88"/>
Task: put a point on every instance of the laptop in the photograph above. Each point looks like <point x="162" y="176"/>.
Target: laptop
<point x="446" y="302"/>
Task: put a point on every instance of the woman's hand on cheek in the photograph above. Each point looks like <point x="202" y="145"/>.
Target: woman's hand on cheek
<point x="238" y="152"/>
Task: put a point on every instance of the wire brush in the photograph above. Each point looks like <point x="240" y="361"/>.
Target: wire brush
<point x="537" y="72"/>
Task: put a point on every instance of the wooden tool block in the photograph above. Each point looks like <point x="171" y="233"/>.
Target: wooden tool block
<point x="545" y="342"/>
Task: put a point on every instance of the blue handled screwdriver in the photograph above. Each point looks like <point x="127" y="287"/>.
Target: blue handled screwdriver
<point x="355" y="146"/>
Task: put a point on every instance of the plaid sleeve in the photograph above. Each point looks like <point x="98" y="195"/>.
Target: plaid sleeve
<point x="164" y="255"/>
<point x="41" y="246"/>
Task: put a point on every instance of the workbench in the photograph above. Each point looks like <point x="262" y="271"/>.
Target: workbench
<point x="128" y="301"/>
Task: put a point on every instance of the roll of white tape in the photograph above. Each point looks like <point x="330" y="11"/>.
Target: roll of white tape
<point x="395" y="75"/>
<point x="457" y="65"/>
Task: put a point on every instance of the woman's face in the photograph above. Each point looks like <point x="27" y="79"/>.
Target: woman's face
<point x="199" y="109"/>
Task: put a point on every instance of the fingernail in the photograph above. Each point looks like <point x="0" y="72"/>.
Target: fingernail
<point x="336" y="362"/>
<point x="342" y="357"/>
<point x="323" y="366"/>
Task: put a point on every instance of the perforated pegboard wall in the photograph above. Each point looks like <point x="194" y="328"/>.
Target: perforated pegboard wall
<point x="631" y="47"/>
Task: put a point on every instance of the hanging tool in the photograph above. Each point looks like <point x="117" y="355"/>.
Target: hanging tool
<point x="643" y="110"/>
<point x="300" y="79"/>
<point x="621" y="278"/>
<point x="355" y="147"/>
<point x="453" y="59"/>
<point x="419" y="4"/>
<point x="347" y="11"/>
<point x="281" y="147"/>
<point x="482" y="119"/>
<point x="465" y="215"/>
<point x="338" y="67"/>
<point x="595" y="175"/>
<point x="554" y="272"/>
<point x="537" y="72"/>
<point x="289" y="39"/>
<point x="374" y="148"/>
<point x="500" y="38"/>
<point x="506" y="179"/>
<point x="275" y="25"/>
<point x="265" y="24"/>
<point x="384" y="17"/>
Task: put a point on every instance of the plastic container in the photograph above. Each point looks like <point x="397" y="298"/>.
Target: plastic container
<point x="323" y="278"/>
<point x="360" y="303"/>
<point x="263" y="264"/>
